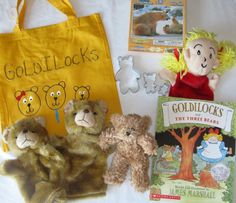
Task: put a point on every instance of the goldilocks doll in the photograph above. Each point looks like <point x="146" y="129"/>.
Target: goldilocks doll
<point x="195" y="72"/>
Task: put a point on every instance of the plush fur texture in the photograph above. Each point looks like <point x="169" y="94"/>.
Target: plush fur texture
<point x="84" y="122"/>
<point x="133" y="145"/>
<point x="38" y="166"/>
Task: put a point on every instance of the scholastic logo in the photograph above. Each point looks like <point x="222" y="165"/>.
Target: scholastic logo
<point x="161" y="196"/>
<point x="177" y="112"/>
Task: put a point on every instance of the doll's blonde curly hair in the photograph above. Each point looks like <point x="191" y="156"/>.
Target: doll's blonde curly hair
<point x="226" y="53"/>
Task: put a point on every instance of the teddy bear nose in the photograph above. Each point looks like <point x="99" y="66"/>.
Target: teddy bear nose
<point x="86" y="111"/>
<point x="128" y="133"/>
<point x="25" y="131"/>
<point x="29" y="104"/>
<point x="205" y="59"/>
<point x="55" y="98"/>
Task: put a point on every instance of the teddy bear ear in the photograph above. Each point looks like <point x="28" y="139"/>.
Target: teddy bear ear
<point x="120" y="58"/>
<point x="69" y="106"/>
<point x="88" y="87"/>
<point x="41" y="120"/>
<point x="75" y="88"/>
<point x="5" y="135"/>
<point x="62" y="83"/>
<point x="130" y="58"/>
<point x="117" y="118"/>
<point x="34" y="89"/>
<point x="46" y="88"/>
<point x="146" y="121"/>
<point x="18" y="93"/>
<point x="103" y="106"/>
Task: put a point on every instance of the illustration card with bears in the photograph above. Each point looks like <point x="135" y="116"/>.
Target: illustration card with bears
<point x="157" y="25"/>
<point x="195" y="160"/>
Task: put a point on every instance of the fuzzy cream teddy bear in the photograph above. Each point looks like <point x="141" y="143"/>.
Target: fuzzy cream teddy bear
<point x="133" y="145"/>
<point x="38" y="165"/>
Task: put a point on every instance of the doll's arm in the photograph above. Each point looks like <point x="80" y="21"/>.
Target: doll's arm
<point x="222" y="146"/>
<point x="107" y="139"/>
<point x="213" y="81"/>
<point x="168" y="75"/>
<point x="203" y="145"/>
<point x="148" y="143"/>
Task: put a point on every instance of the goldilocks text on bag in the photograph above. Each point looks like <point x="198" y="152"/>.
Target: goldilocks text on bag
<point x="49" y="63"/>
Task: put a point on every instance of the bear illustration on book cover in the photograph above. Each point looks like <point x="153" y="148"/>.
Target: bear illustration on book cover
<point x="196" y="156"/>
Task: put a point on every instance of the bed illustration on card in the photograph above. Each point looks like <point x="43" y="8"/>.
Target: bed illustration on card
<point x="196" y="156"/>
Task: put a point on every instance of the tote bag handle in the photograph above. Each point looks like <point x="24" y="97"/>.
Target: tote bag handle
<point x="62" y="5"/>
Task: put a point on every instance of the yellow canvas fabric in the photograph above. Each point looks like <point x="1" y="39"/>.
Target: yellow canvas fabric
<point x="43" y="68"/>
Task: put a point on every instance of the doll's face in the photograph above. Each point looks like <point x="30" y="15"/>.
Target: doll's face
<point x="201" y="56"/>
<point x="213" y="139"/>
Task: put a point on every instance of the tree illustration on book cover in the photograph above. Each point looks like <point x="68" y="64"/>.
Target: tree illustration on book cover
<point x="196" y="156"/>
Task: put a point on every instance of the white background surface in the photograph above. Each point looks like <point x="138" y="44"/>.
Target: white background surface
<point x="213" y="15"/>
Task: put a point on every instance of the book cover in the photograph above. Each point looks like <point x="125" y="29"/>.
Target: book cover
<point x="196" y="156"/>
<point x="157" y="25"/>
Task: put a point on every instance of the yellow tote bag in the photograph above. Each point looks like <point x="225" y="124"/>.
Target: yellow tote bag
<point x="43" y="68"/>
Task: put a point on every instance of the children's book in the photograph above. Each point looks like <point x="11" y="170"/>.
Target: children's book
<point x="157" y="25"/>
<point x="195" y="160"/>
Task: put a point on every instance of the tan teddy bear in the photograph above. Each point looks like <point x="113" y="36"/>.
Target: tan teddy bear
<point x="84" y="121"/>
<point x="38" y="165"/>
<point x="133" y="145"/>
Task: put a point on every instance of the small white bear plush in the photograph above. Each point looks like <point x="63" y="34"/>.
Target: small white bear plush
<point x="150" y="83"/>
<point x="127" y="76"/>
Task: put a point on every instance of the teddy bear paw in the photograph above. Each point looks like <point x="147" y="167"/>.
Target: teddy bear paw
<point x="152" y="152"/>
<point x="142" y="188"/>
<point x="113" y="178"/>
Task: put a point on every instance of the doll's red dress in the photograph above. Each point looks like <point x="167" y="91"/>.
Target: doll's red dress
<point x="192" y="86"/>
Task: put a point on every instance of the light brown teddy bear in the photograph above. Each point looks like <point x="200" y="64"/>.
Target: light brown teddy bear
<point x="84" y="121"/>
<point x="38" y="164"/>
<point x="133" y="145"/>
